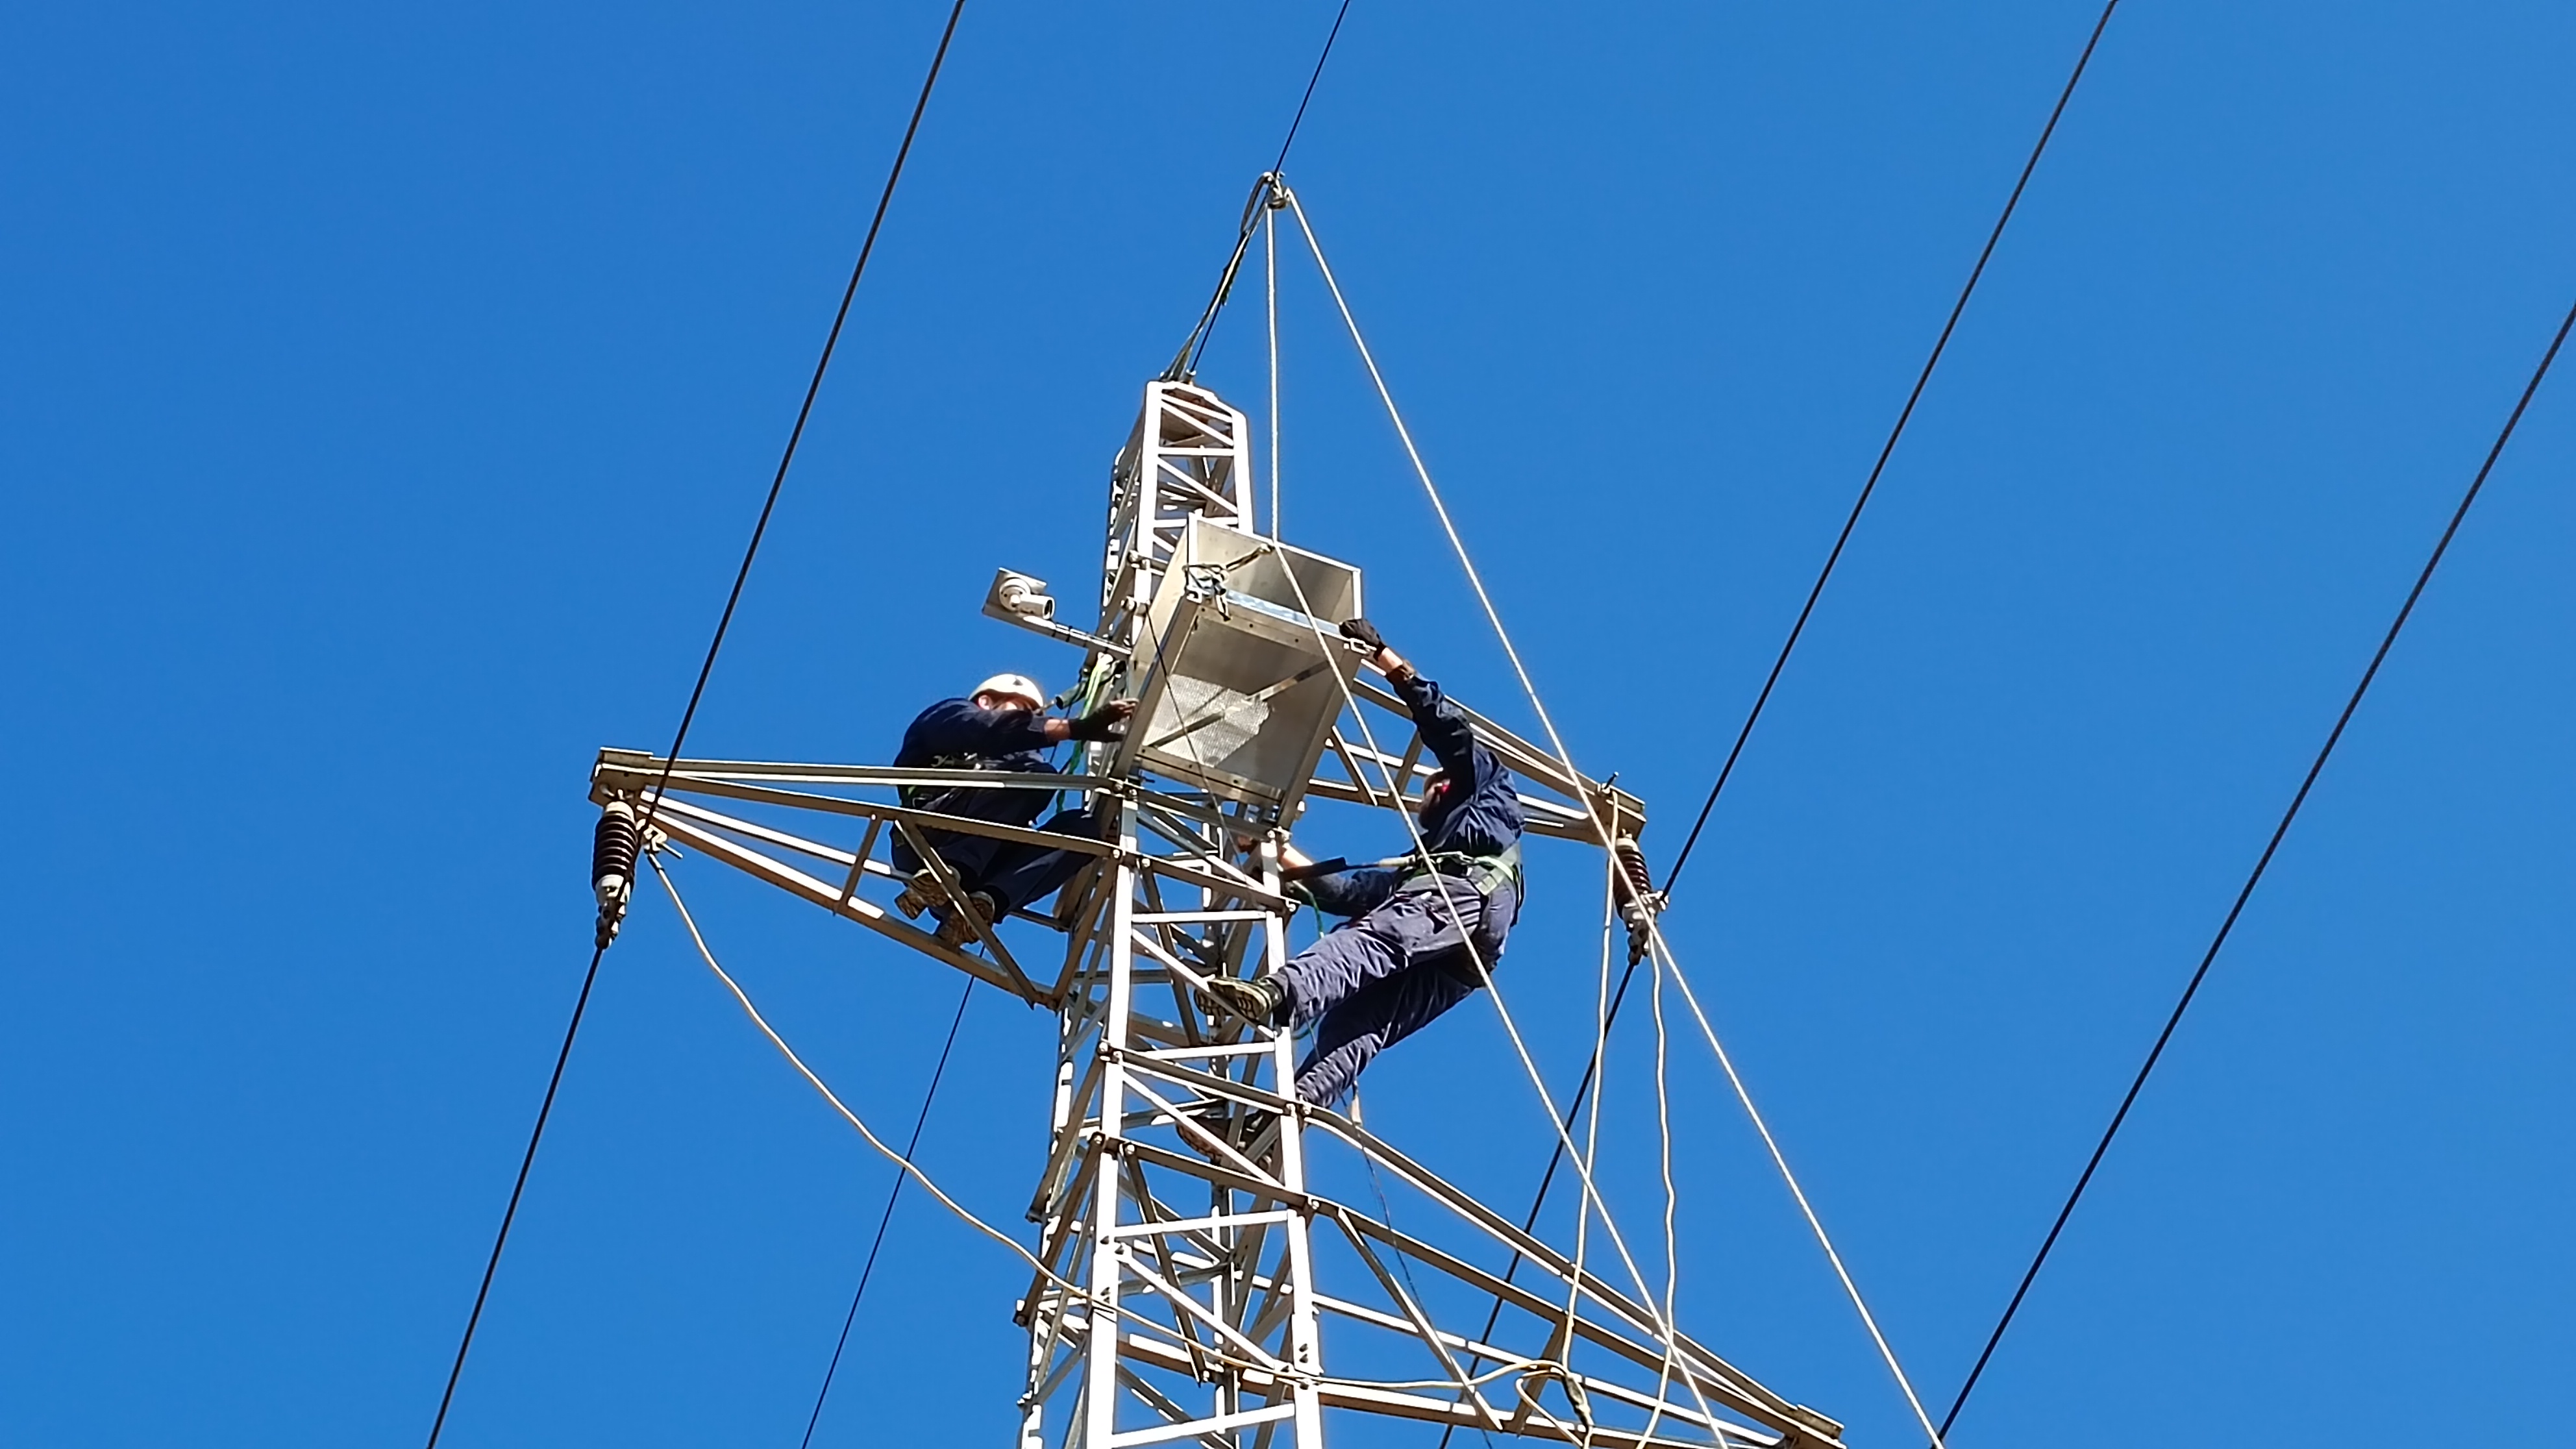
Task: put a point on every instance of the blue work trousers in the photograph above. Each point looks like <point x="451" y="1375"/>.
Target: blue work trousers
<point x="1378" y="980"/>
<point x="1014" y="873"/>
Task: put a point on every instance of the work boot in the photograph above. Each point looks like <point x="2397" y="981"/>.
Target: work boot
<point x="1261" y="1000"/>
<point x="955" y="928"/>
<point x="919" y="890"/>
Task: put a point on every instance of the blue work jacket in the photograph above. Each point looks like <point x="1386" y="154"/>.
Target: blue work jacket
<point x="957" y="734"/>
<point x="1481" y="815"/>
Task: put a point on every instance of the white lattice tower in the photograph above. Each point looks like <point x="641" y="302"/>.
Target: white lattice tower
<point x="1181" y="1236"/>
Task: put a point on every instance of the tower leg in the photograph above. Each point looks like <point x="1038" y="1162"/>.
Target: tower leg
<point x="1188" y="1235"/>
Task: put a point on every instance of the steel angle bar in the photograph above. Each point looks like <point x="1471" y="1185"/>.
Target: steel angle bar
<point x="1210" y="1223"/>
<point x="953" y="890"/>
<point x="1196" y="851"/>
<point x="1179" y="1297"/>
<point x="1225" y="885"/>
<point x="1510" y="1234"/>
<point x="1348" y="1394"/>
<point x="1418" y="1320"/>
<point x="1724" y="1380"/>
<point x="1409" y="764"/>
<point x="1204" y="1430"/>
<point x="1175" y="831"/>
<point x="1182" y="981"/>
<point x="1059" y="1369"/>
<point x="1622" y="812"/>
<point x="1607" y="1388"/>
<point x="1277" y="1301"/>
<point x="749" y="830"/>
<point x="1132" y="1185"/>
<point x="1090" y="920"/>
<point x="828" y="896"/>
<point x="860" y="860"/>
<point x="1255" y="1185"/>
<point x="1369" y="794"/>
<point x="1179" y="1422"/>
<point x="629" y="769"/>
<point x="1160" y="1065"/>
<point x="1044" y="1203"/>
<point x="1526" y="758"/>
<point x="1640" y="1353"/>
<point x="1157" y="1030"/>
<point x="1188" y="484"/>
<point x="1068" y="1236"/>
<point x="1212" y="1049"/>
<point x="891" y="814"/>
<point x="1545" y="817"/>
<point x="1187" y="1126"/>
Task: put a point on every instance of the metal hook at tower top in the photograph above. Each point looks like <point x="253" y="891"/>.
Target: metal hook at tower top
<point x="1269" y="192"/>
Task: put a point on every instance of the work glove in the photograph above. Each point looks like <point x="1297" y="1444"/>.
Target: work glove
<point x="1109" y="722"/>
<point x="1365" y="632"/>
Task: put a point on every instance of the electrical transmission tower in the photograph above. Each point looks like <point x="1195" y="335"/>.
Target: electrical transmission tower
<point x="1199" y="1286"/>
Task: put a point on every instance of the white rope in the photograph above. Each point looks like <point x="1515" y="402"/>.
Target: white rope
<point x="1556" y="742"/>
<point x="897" y="1158"/>
<point x="1672" y="1195"/>
<point x="1270" y="249"/>
<point x="1663" y="953"/>
<point x="1076" y="1291"/>
<point x="1592" y="1124"/>
<point x="1529" y="1066"/>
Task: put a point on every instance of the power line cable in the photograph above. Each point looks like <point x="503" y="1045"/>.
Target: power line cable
<point x="1903" y="416"/>
<point x="689" y="715"/>
<point x="1547" y="1179"/>
<point x="1185" y="363"/>
<point x="1299" y="119"/>
<point x="868" y="1270"/>
<point x="2261" y="864"/>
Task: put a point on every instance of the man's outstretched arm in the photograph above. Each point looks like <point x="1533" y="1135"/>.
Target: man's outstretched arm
<point x="1446" y="731"/>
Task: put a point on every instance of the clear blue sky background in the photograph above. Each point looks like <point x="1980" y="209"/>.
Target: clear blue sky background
<point x="387" y="393"/>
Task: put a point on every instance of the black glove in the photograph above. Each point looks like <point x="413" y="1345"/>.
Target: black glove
<point x="1109" y="722"/>
<point x="1365" y="632"/>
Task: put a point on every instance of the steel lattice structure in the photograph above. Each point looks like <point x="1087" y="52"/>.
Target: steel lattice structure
<point x="1194" y="1272"/>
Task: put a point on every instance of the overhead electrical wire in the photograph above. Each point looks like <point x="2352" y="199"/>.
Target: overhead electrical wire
<point x="2262" y="863"/>
<point x="1904" y="415"/>
<point x="1185" y="363"/>
<point x="697" y="692"/>
<point x="868" y="1269"/>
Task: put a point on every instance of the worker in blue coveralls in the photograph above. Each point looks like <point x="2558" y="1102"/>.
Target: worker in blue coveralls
<point x="1002" y="726"/>
<point x="1423" y="932"/>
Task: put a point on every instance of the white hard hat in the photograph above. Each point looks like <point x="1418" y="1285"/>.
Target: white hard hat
<point x="1017" y="685"/>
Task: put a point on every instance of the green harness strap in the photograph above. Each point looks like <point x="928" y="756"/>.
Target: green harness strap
<point x="1482" y="873"/>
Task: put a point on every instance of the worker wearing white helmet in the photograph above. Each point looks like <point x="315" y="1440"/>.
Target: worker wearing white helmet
<point x="1002" y="726"/>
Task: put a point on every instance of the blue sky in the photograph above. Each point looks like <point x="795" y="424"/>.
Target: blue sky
<point x="388" y="392"/>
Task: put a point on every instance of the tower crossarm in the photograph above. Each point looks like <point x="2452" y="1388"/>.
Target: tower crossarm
<point x="786" y="833"/>
<point x="1553" y="798"/>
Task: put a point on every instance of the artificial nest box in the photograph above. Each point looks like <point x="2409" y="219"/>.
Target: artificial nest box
<point x="1241" y="666"/>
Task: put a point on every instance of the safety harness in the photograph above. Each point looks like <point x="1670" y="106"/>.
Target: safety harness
<point x="1489" y="876"/>
<point x="1484" y="874"/>
<point x="933" y="797"/>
